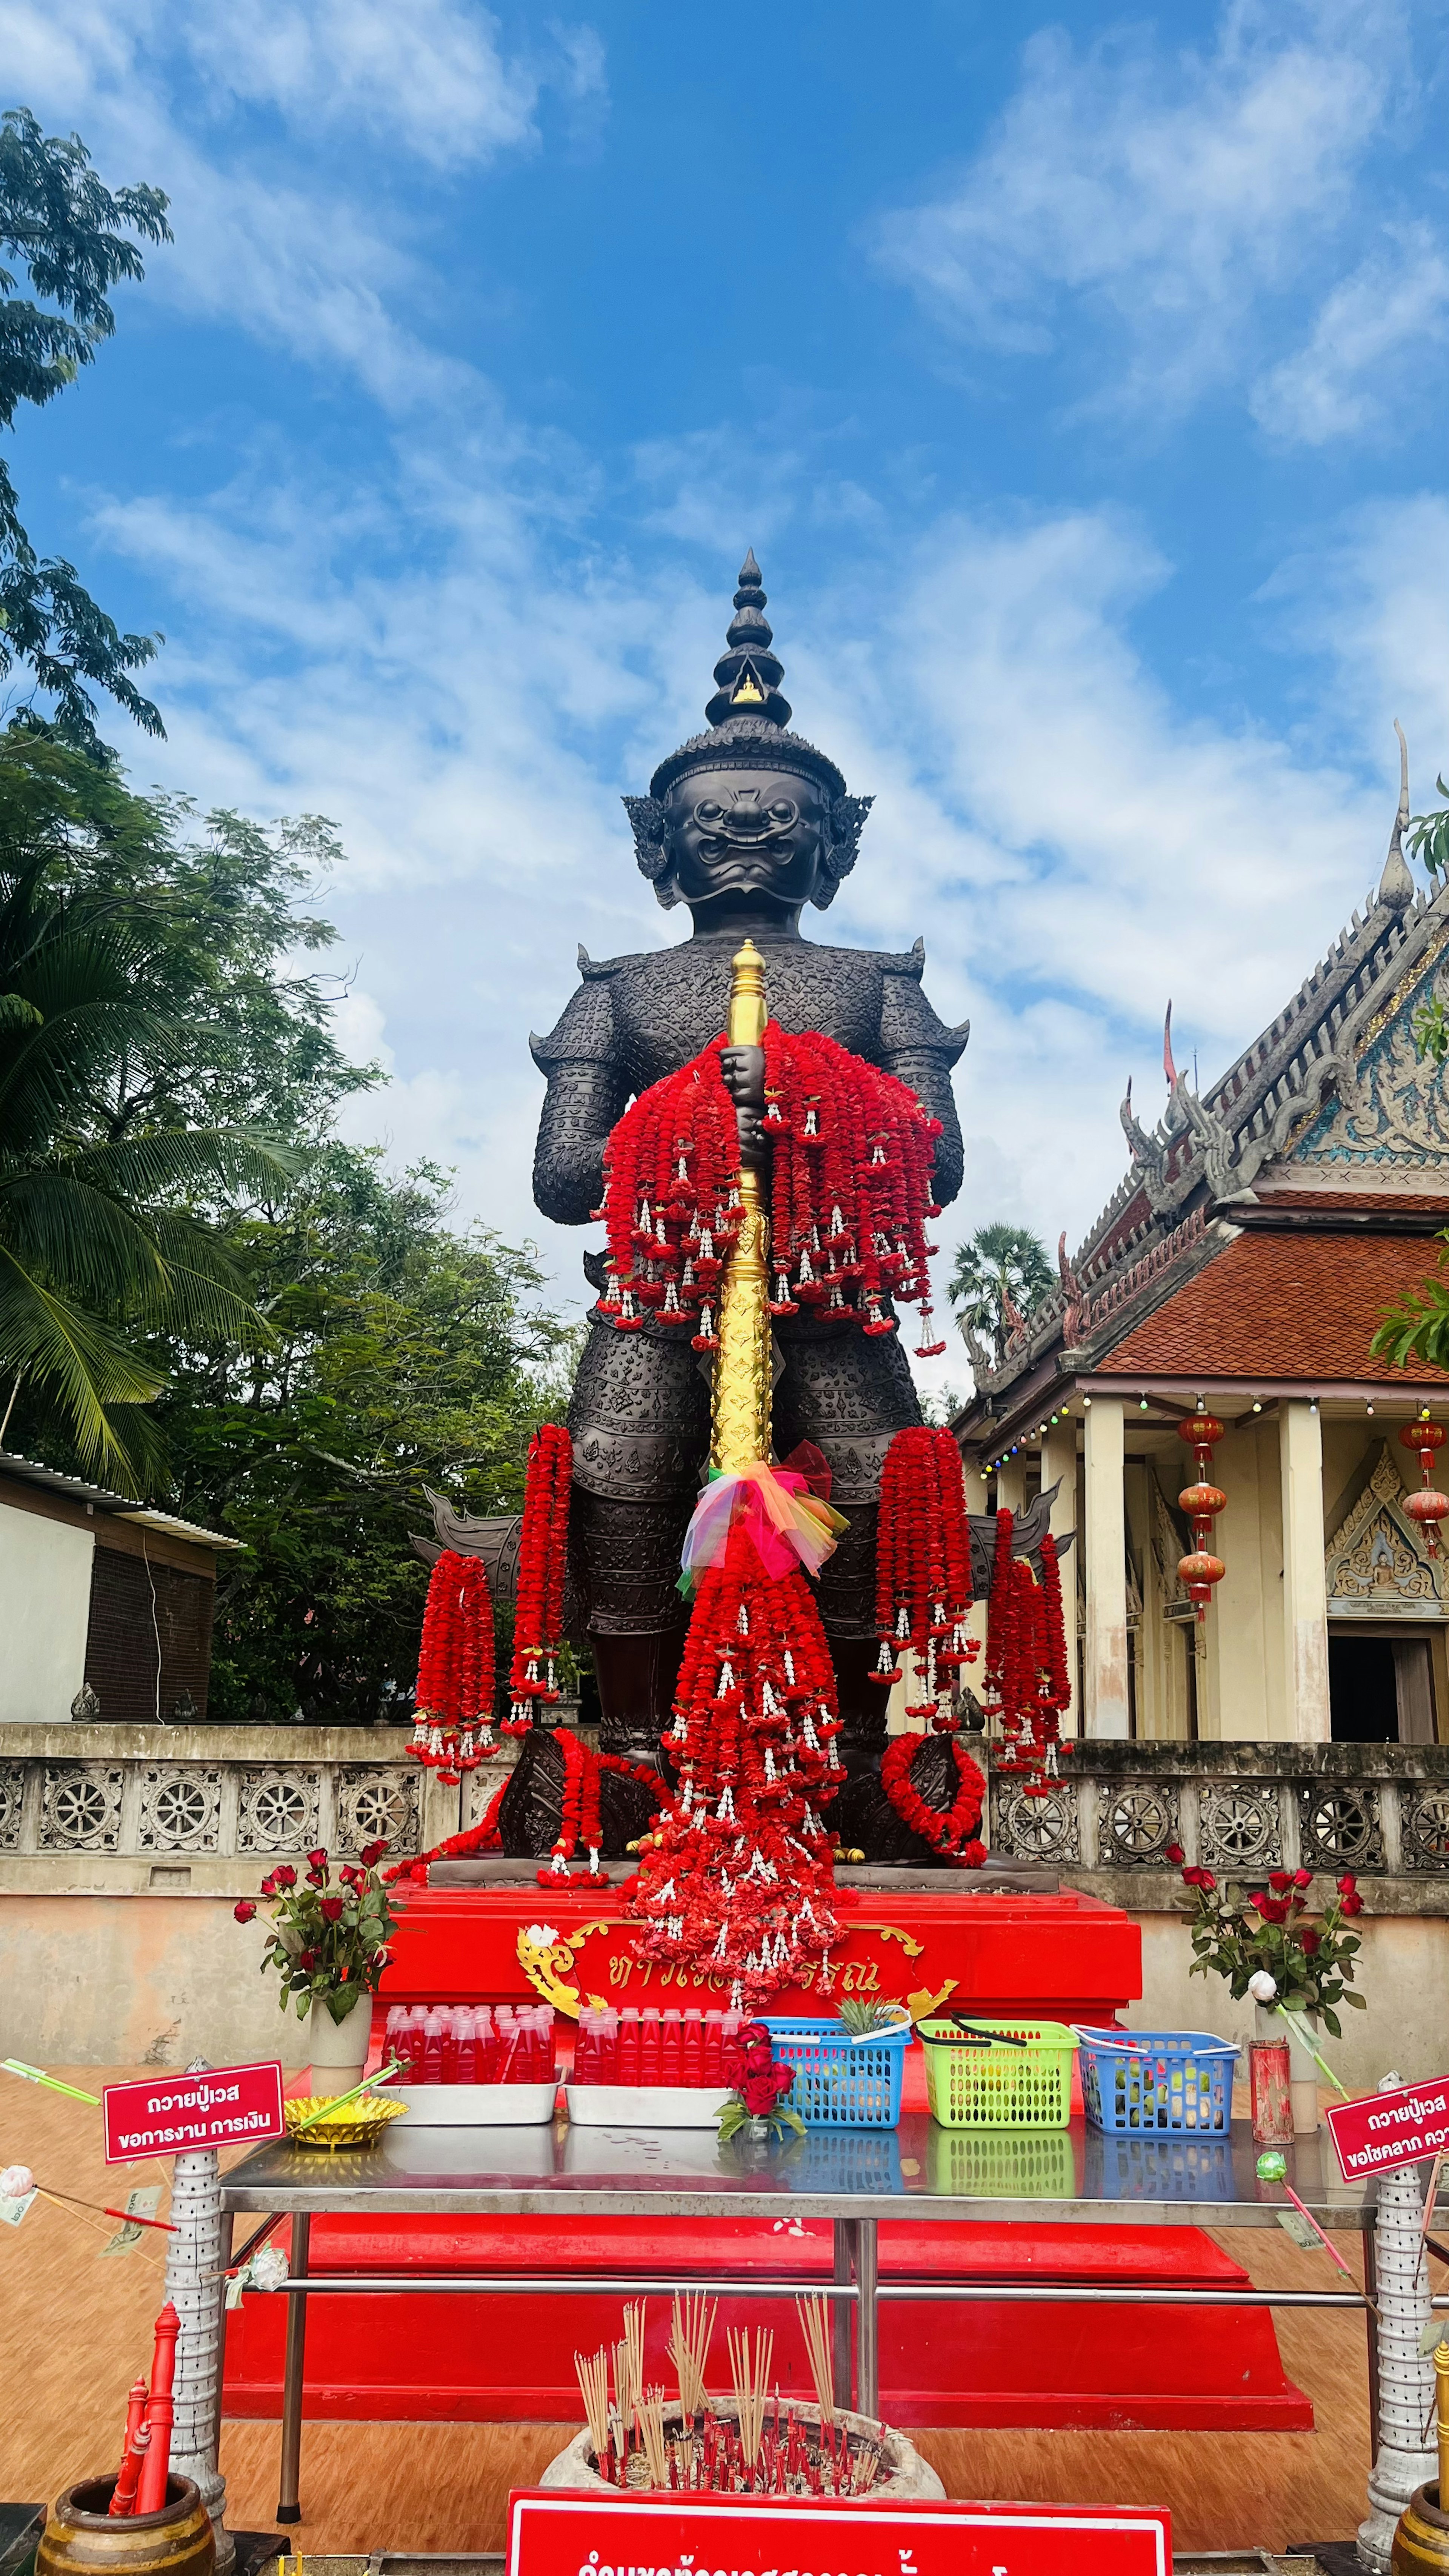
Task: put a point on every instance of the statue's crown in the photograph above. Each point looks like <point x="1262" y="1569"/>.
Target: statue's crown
<point x="747" y="716"/>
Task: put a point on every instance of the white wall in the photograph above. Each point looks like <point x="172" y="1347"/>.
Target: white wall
<point x="45" y="1599"/>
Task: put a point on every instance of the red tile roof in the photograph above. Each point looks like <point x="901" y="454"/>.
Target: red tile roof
<point x="1407" y="1202"/>
<point x="1283" y="1306"/>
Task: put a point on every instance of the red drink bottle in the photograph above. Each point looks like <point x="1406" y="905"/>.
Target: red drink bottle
<point x="464" y="2024"/>
<point x="449" y="2018"/>
<point x="671" y="2050"/>
<point x="628" y="2046"/>
<point x="713" y="2048"/>
<point x="485" y="2044"/>
<point x="649" y="2045"/>
<point x="692" y="2049"/>
<point x="432" y="2070"/>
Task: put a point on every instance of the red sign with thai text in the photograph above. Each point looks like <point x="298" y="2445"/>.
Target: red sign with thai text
<point x="172" y="2115"/>
<point x="604" y="2535"/>
<point x="1387" y="2129"/>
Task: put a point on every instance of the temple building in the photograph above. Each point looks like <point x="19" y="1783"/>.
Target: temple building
<point x="1244" y="1263"/>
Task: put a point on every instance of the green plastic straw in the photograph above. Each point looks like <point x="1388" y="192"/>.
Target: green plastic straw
<point x="53" y="2084"/>
<point x="365" y="2086"/>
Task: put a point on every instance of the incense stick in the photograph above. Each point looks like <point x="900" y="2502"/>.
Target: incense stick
<point x="53" y="2084"/>
<point x="814" y="2315"/>
<point x="593" y="2377"/>
<point x="651" y="2427"/>
<point x="689" y="2342"/>
<point x="750" y="2372"/>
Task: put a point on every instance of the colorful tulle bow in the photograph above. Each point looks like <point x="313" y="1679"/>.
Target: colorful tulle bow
<point x="787" y="1523"/>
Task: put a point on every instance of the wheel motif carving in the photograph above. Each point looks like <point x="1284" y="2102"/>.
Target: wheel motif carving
<point x="1241" y="1829"/>
<point x="1137" y="1827"/>
<point x="12" y="1803"/>
<point x="180" y="1810"/>
<point x="80" y="1808"/>
<point x="1426" y="1830"/>
<point x="1039" y="1829"/>
<point x="1339" y="1829"/>
<point x="277" y="1810"/>
<point x="378" y="1806"/>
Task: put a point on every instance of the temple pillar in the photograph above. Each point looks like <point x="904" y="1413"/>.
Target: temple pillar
<point x="1011" y="1483"/>
<point x="1305" y="1592"/>
<point x="1059" y="1468"/>
<point x="1104" y="1534"/>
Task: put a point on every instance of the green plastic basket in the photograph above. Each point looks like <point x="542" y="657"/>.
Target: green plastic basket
<point x="1000" y="2088"/>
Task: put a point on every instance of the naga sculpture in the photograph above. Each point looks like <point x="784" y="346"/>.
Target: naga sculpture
<point x="746" y="825"/>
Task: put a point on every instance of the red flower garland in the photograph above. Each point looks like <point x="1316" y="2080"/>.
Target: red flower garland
<point x="485" y="1836"/>
<point x="953" y="1832"/>
<point x="1028" y="1682"/>
<point x="542" y="1566"/>
<point x="738" y="1877"/>
<point x="923" y="1569"/>
<point x="455" y="1669"/>
<point x="850" y="1191"/>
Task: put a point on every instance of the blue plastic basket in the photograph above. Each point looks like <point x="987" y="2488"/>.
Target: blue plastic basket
<point x="1135" y="2081"/>
<point x="840" y="2083"/>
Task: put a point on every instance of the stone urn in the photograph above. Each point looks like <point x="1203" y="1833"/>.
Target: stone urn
<point x="80" y="2539"/>
<point x="339" y="2048"/>
<point x="903" y="2471"/>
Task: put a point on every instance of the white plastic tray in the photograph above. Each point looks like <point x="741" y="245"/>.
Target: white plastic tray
<point x="645" y="2106"/>
<point x="476" y="2106"/>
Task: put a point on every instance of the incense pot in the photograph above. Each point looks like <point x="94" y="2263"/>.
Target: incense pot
<point x="1421" y="2542"/>
<point x="903" y="2472"/>
<point x="82" y="2537"/>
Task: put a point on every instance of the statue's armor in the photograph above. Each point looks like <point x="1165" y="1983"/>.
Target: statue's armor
<point x="640" y="1412"/>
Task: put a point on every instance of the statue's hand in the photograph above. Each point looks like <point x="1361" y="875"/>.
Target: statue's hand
<point x="743" y="1068"/>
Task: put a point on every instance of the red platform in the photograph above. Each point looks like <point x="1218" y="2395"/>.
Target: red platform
<point x="504" y="2359"/>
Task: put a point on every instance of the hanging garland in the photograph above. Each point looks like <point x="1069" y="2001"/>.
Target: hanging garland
<point x="453" y="1710"/>
<point x="1028" y="1681"/>
<point x="736" y="1880"/>
<point x="1202" y="1502"/>
<point x="485" y="1836"/>
<point x="952" y="1832"/>
<point x="850" y="1192"/>
<point x="542" y="1566"/>
<point x="923" y="1571"/>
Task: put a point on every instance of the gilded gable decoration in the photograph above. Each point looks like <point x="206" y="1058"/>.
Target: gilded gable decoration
<point x="1376" y="1562"/>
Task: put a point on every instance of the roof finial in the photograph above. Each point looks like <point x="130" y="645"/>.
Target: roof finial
<point x="1168" y="1067"/>
<point x="747" y="677"/>
<point x="1396" y="885"/>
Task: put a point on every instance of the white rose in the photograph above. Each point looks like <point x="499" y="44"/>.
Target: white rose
<point x="541" y="1936"/>
<point x="268" y="2268"/>
<point x="1262" y="1987"/>
<point x="16" y="2182"/>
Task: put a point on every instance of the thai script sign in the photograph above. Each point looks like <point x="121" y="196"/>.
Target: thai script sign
<point x="1386" y="2129"/>
<point x="673" y="2535"/>
<point x="172" y="2115"/>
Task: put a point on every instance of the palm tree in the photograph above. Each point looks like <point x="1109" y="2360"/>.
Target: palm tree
<point x="999" y="1275"/>
<point x="104" y="1243"/>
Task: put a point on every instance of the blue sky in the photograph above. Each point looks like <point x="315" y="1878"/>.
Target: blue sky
<point x="1079" y="380"/>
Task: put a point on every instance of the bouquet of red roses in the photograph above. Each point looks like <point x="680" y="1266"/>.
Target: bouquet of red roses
<point x="759" y="2084"/>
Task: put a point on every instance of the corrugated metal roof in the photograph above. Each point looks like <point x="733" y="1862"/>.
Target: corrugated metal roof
<point x="29" y="1471"/>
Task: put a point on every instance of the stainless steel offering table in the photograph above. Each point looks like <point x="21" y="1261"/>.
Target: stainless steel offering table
<point x="1162" y="2180"/>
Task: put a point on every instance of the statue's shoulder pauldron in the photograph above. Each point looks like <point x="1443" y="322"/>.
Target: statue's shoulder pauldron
<point x="907" y="1020"/>
<point x="587" y="1031"/>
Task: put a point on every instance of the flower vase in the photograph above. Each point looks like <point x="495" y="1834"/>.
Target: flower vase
<point x="1269" y="2081"/>
<point x="1303" y="2069"/>
<point x="339" y="2048"/>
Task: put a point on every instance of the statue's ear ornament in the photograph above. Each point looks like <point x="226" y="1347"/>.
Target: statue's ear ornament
<point x="646" y="817"/>
<point x="847" y="822"/>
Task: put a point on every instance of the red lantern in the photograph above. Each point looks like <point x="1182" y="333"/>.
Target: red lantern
<point x="1202" y="1502"/>
<point x="1427" y="1507"/>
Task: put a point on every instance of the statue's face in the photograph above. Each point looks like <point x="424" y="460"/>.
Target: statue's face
<point x="758" y="834"/>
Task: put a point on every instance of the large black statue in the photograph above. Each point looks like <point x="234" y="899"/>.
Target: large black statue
<point x="745" y="824"/>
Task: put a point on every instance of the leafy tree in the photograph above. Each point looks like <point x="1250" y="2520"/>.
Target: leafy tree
<point x="159" y="1054"/>
<point x="1417" y="1328"/>
<point x="1001" y="1267"/>
<point x="1429" y="841"/>
<point x="70" y="234"/>
<point x="402" y="1355"/>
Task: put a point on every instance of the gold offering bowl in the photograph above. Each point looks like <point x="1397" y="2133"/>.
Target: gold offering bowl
<point x="349" y="2124"/>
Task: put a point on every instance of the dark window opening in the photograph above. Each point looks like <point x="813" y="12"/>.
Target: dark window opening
<point x="1380" y="1690"/>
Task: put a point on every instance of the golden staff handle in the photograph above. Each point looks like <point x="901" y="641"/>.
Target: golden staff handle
<point x="1441" y="2391"/>
<point x="740" y="1424"/>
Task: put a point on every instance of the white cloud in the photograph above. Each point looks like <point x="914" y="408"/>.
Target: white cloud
<point x="1371" y="602"/>
<point x="1162" y="189"/>
<point x="1371" y="351"/>
<point x="305" y="264"/>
